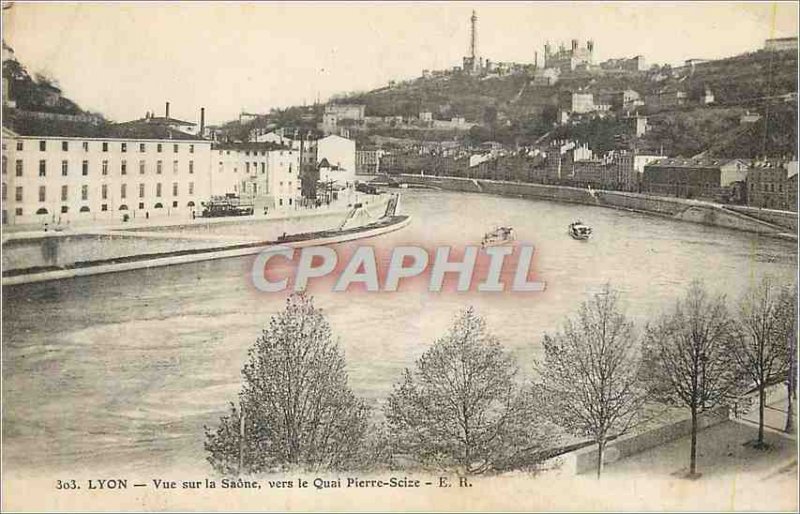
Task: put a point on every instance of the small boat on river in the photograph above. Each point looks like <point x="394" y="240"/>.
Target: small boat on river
<point x="498" y="236"/>
<point x="579" y="231"/>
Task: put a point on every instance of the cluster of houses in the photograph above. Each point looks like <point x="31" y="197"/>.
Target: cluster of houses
<point x="340" y="118"/>
<point x="770" y="184"/>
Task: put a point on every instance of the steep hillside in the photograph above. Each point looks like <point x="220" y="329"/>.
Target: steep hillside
<point x="510" y="108"/>
<point x="37" y="93"/>
<point x="744" y="78"/>
<point x="775" y="134"/>
<point x="445" y="97"/>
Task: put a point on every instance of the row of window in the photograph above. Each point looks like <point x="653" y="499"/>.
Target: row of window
<point x="255" y="167"/>
<point x="123" y="147"/>
<point x="103" y="207"/>
<point x="766" y="188"/>
<point x="123" y="191"/>
<point x="123" y="168"/>
<point x="256" y="152"/>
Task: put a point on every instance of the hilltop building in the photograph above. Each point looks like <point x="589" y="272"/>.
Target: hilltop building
<point x="667" y="98"/>
<point x="781" y="43"/>
<point x="346" y="111"/>
<point x="625" y="100"/>
<point x="579" y="102"/>
<point x="636" y="63"/>
<point x="545" y="76"/>
<point x="338" y="117"/>
<point x="569" y="59"/>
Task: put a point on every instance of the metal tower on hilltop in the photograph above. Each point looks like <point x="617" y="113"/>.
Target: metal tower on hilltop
<point x="473" y="40"/>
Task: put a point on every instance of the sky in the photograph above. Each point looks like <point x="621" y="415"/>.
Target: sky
<point x="123" y="59"/>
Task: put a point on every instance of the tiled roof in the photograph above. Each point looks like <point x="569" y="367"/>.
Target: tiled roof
<point x="148" y="131"/>
<point x="27" y="126"/>
<point x="162" y="120"/>
<point x="253" y="147"/>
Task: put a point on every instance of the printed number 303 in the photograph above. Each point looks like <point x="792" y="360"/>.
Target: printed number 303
<point x="66" y="484"/>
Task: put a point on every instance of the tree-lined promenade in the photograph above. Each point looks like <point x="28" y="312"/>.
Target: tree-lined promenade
<point x="463" y="406"/>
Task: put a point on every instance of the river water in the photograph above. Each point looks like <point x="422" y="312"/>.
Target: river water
<point x="123" y="371"/>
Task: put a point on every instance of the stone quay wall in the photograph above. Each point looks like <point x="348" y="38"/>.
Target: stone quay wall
<point x="31" y="250"/>
<point x="762" y="221"/>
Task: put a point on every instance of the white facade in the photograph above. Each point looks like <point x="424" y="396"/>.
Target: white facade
<point x="269" y="137"/>
<point x="581" y="103"/>
<point x="341" y="153"/>
<point x="271" y="176"/>
<point x="330" y="122"/>
<point x="781" y="43"/>
<point x="477" y="159"/>
<point x="640" y="161"/>
<point x="283" y="177"/>
<point x="732" y="171"/>
<point x="66" y="179"/>
<point x="346" y="111"/>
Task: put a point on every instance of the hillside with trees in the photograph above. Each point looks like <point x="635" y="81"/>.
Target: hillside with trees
<point x="512" y="110"/>
<point x="35" y="93"/>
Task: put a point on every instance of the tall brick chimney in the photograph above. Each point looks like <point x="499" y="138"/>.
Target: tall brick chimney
<point x="202" y="120"/>
<point x="167" y="111"/>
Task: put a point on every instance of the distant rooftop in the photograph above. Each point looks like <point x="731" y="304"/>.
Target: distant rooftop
<point x="162" y="120"/>
<point x="24" y="124"/>
<point x="705" y="162"/>
<point x="248" y="146"/>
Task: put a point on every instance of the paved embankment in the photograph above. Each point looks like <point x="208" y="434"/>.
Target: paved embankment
<point x="762" y="221"/>
<point x="197" y="254"/>
<point x="73" y="253"/>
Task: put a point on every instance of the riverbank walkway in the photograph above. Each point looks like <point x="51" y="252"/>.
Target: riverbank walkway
<point x="723" y="450"/>
<point x="340" y="206"/>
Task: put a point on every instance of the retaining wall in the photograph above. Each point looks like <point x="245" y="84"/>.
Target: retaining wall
<point x="768" y="222"/>
<point x="585" y="460"/>
<point x="781" y="218"/>
<point x="64" y="248"/>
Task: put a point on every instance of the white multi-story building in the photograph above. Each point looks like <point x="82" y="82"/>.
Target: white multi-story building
<point x="270" y="175"/>
<point x="340" y="153"/>
<point x="283" y="177"/>
<point x="65" y="178"/>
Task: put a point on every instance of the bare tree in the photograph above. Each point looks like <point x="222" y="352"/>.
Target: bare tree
<point x="687" y="358"/>
<point x="761" y="345"/>
<point x="295" y="407"/>
<point x="589" y="379"/>
<point x="462" y="406"/>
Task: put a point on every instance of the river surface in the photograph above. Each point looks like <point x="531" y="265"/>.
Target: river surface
<point x="123" y="371"/>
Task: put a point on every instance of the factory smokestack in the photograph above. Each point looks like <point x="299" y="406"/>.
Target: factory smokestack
<point x="166" y="113"/>
<point x="202" y="121"/>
